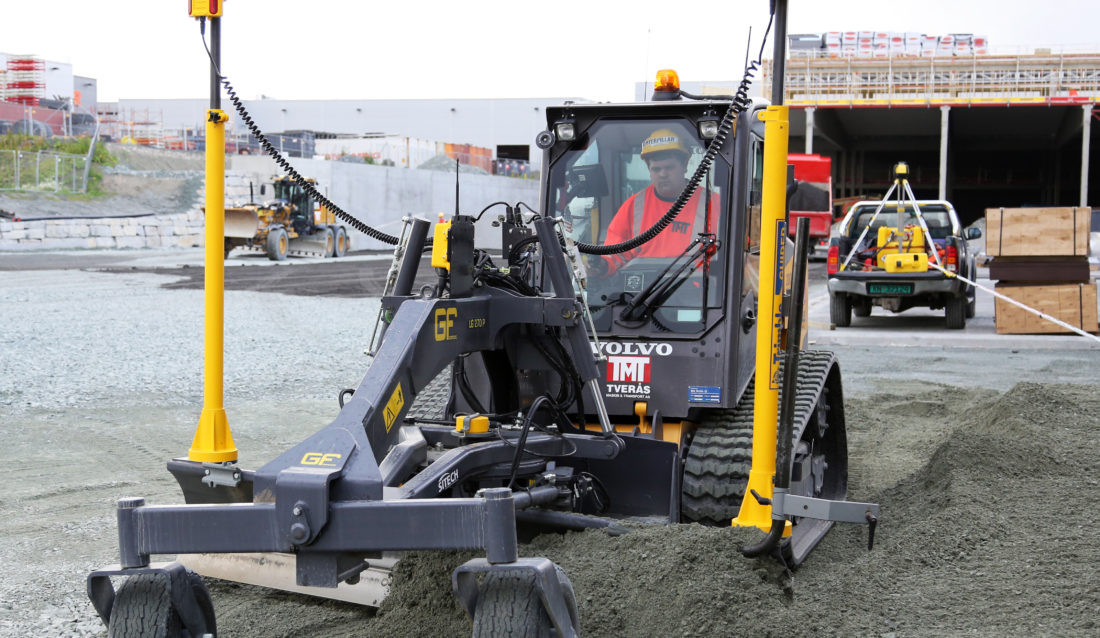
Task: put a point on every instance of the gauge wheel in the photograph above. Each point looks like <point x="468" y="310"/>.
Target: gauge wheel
<point x="509" y="606"/>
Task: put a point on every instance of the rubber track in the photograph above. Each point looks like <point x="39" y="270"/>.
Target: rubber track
<point x="716" y="469"/>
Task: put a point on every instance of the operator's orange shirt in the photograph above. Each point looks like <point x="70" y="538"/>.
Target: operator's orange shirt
<point x="671" y="241"/>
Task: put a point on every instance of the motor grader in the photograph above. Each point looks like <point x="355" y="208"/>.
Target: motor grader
<point x="518" y="389"/>
<point x="293" y="222"/>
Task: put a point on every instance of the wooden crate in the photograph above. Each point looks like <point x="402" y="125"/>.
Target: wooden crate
<point x="1037" y="232"/>
<point x="1074" y="304"/>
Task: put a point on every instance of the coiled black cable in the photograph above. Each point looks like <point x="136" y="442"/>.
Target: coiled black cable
<point x="355" y="223"/>
<point x="739" y="103"/>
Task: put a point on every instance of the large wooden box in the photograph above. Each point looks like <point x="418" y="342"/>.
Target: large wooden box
<point x="1074" y="304"/>
<point x="1037" y="232"/>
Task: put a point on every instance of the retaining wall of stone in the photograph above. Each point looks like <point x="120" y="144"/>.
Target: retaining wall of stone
<point x="148" y="231"/>
<point x="379" y="196"/>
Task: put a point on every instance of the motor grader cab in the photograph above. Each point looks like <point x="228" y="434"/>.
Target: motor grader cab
<point x="292" y="222"/>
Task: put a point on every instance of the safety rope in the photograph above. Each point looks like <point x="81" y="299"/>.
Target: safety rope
<point x="1017" y="303"/>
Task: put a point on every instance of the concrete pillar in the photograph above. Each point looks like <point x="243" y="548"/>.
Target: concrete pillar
<point x="1086" y="131"/>
<point x="945" y="111"/>
<point x="809" y="129"/>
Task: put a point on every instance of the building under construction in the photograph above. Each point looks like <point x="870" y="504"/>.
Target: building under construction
<point x="979" y="130"/>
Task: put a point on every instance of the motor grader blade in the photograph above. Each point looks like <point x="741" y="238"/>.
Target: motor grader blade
<point x="241" y="222"/>
<point x="277" y="571"/>
<point x="316" y="245"/>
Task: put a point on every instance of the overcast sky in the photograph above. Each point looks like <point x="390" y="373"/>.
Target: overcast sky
<point x="597" y="49"/>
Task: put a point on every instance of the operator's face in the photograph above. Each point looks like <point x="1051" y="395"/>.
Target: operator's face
<point x="667" y="174"/>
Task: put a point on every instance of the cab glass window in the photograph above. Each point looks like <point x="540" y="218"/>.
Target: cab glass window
<point x="605" y="176"/>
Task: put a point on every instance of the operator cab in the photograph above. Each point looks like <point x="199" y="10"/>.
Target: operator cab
<point x="292" y="195"/>
<point x="593" y="180"/>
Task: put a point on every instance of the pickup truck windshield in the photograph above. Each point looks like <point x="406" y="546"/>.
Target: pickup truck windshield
<point x="936" y="217"/>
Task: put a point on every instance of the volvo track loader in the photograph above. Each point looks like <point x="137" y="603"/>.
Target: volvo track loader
<point x="520" y="388"/>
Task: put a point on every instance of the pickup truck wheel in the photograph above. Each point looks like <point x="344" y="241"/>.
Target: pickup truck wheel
<point x="840" y="310"/>
<point x="955" y="310"/>
<point x="972" y="303"/>
<point x="862" y="307"/>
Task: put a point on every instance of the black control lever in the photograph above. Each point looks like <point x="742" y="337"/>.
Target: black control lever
<point x="872" y="521"/>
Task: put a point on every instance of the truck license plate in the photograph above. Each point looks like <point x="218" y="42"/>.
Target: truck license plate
<point x="890" y="289"/>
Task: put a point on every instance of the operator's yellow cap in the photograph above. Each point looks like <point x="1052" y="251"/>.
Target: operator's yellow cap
<point x="661" y="140"/>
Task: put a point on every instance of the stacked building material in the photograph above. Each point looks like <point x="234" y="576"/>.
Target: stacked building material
<point x="886" y="44"/>
<point x="24" y="80"/>
<point x="1040" y="259"/>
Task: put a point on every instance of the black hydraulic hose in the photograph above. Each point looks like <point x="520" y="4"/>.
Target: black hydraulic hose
<point x="516" y="247"/>
<point x="785" y="434"/>
<point x="770" y="541"/>
<point x="739" y="104"/>
<point x="484" y="210"/>
<point x="535" y="405"/>
<point x="535" y="496"/>
<point x="373" y="233"/>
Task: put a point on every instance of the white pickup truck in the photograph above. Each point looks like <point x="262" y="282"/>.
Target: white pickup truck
<point x="890" y="266"/>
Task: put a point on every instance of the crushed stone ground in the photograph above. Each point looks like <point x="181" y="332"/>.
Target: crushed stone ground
<point x="987" y="486"/>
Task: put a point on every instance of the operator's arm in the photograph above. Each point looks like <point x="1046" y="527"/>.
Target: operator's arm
<point x="619" y="230"/>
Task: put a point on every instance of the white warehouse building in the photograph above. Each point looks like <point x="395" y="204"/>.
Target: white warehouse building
<point x="488" y="123"/>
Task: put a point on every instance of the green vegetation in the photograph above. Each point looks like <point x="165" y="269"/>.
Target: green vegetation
<point x="48" y="171"/>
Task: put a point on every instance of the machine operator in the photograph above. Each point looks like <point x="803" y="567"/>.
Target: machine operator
<point x="666" y="156"/>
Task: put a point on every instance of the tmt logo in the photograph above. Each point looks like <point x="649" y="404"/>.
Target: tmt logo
<point x="625" y="369"/>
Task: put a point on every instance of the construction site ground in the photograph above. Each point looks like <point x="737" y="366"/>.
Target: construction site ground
<point x="981" y="449"/>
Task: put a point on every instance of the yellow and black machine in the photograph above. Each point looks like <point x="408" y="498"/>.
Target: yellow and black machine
<point x="292" y="223"/>
<point x="569" y="381"/>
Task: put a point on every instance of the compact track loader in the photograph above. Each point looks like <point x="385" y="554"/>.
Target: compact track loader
<point x="521" y="388"/>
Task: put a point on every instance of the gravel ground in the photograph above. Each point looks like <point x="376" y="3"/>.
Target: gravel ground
<point x="986" y="477"/>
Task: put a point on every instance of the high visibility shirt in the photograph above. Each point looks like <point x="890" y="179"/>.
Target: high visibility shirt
<point x="638" y="214"/>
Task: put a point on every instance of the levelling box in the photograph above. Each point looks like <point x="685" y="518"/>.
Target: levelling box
<point x="1074" y="304"/>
